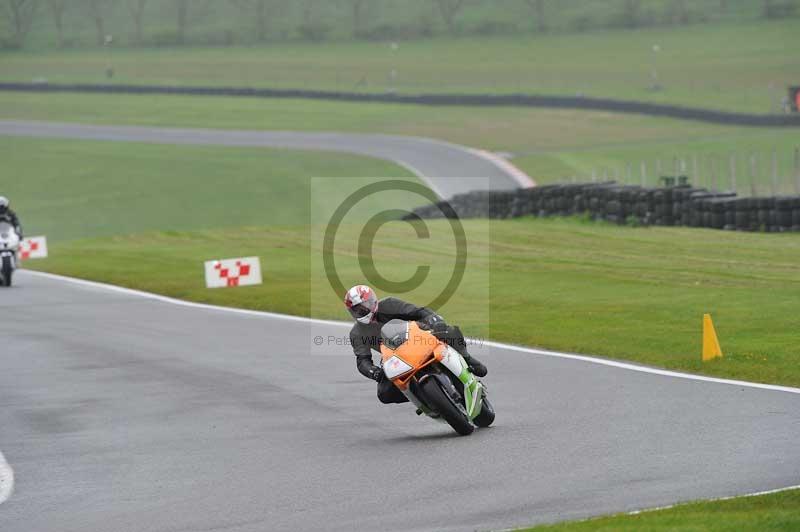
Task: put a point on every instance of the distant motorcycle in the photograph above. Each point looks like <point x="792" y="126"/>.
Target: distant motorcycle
<point x="434" y="377"/>
<point x="9" y="245"/>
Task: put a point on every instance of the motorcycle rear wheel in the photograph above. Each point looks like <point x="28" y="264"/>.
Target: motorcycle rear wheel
<point x="441" y="401"/>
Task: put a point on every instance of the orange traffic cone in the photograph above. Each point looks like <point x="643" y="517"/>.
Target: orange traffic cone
<point x="711" y="347"/>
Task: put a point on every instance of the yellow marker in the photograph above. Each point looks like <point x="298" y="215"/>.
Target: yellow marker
<point x="711" y="347"/>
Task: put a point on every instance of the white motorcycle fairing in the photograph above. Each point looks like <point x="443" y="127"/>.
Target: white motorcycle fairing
<point x="9" y="245"/>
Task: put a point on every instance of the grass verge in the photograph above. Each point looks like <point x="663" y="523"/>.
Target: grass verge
<point x="619" y="292"/>
<point x="771" y="512"/>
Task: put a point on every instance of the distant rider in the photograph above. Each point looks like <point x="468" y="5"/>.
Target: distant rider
<point x="9" y="216"/>
<point x="370" y="315"/>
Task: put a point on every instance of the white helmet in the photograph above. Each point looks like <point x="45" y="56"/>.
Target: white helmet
<point x="362" y="303"/>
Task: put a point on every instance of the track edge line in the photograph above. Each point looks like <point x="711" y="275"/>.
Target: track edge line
<point x="510" y="347"/>
<point x="6" y="479"/>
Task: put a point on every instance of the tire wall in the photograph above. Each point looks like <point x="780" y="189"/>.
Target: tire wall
<point x="632" y="205"/>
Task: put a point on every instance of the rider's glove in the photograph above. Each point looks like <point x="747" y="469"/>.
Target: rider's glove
<point x="440" y="328"/>
<point x="376" y="374"/>
<point x="433" y="323"/>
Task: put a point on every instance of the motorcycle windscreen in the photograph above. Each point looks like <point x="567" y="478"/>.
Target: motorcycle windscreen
<point x="394" y="333"/>
<point x="6" y="229"/>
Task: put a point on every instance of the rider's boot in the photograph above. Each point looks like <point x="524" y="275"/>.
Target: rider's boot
<point x="459" y="343"/>
<point x="475" y="366"/>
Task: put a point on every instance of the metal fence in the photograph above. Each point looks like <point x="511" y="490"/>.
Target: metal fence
<point x="753" y="173"/>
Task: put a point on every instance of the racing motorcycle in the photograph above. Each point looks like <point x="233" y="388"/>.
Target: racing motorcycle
<point x="9" y="244"/>
<point x="434" y="377"/>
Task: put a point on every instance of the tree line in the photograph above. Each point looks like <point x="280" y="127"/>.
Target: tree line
<point x="20" y="16"/>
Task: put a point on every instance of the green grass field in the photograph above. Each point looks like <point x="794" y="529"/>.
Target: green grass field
<point x="743" y="67"/>
<point x="773" y="512"/>
<point x="70" y="189"/>
<point x="550" y="145"/>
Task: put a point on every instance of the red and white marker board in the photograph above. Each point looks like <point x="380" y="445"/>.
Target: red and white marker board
<point x="243" y="271"/>
<point x="34" y="247"/>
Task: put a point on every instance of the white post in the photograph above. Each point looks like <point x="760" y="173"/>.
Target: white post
<point x="733" y="172"/>
<point x="797" y="170"/>
<point x="643" y="173"/>
<point x="713" y="173"/>
<point x="774" y="172"/>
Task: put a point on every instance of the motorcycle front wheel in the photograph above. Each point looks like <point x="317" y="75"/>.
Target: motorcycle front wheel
<point x="439" y="400"/>
<point x="7" y="271"/>
<point x="486" y="417"/>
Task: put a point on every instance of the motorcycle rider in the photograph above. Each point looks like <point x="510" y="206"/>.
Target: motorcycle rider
<point x="9" y="216"/>
<point x="370" y="315"/>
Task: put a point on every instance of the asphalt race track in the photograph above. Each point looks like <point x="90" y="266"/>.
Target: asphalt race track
<point x="436" y="162"/>
<point x="120" y="412"/>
